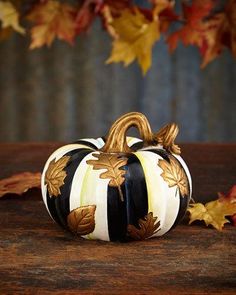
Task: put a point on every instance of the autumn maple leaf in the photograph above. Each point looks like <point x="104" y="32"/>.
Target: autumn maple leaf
<point x="213" y="213"/>
<point x="9" y="17"/>
<point x="221" y="33"/>
<point x="231" y="198"/>
<point x="53" y="20"/>
<point x="86" y="14"/>
<point x="136" y="37"/>
<point x="193" y="31"/>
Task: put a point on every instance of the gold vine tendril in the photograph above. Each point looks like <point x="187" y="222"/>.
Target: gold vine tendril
<point x="166" y="137"/>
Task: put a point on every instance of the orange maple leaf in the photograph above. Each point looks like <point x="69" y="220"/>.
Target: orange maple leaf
<point x="221" y="33"/>
<point x="193" y="31"/>
<point x="53" y="20"/>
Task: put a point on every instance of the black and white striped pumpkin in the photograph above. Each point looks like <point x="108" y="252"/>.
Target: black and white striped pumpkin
<point x="121" y="188"/>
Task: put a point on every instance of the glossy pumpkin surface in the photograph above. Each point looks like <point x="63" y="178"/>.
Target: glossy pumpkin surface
<point x="121" y="188"/>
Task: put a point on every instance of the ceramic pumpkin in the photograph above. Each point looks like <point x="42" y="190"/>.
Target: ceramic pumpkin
<point x="118" y="188"/>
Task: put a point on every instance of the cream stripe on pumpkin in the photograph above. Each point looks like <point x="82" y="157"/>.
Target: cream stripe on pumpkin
<point x="161" y="199"/>
<point x="132" y="140"/>
<point x="155" y="190"/>
<point x="77" y="183"/>
<point x="57" y="155"/>
<point x="91" y="190"/>
<point x="96" y="142"/>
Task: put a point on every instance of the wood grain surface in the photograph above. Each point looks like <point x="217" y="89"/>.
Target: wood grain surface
<point x="38" y="257"/>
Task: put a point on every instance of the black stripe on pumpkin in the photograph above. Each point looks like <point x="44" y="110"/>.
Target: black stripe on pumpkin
<point x="52" y="209"/>
<point x="135" y="191"/>
<point x="59" y="207"/>
<point x="87" y="143"/>
<point x="137" y="146"/>
<point x="135" y="205"/>
<point x="116" y="214"/>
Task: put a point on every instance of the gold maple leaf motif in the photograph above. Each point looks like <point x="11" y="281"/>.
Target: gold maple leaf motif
<point x="148" y="226"/>
<point x="213" y="212"/>
<point x="55" y="175"/>
<point x="174" y="175"/>
<point x="81" y="220"/>
<point x="113" y="164"/>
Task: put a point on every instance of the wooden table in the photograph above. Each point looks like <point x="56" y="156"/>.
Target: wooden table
<point x="37" y="257"/>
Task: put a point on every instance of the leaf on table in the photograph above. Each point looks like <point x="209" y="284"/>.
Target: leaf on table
<point x="212" y="213"/>
<point x="81" y="220"/>
<point x="52" y="20"/>
<point x="9" y="17"/>
<point x="113" y="164"/>
<point x="20" y="183"/>
<point x="55" y="175"/>
<point x="174" y="175"/>
<point x="231" y="198"/>
<point x="148" y="226"/>
<point x="136" y="37"/>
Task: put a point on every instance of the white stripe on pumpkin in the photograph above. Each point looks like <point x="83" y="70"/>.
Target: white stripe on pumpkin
<point x="60" y="152"/>
<point x="162" y="200"/>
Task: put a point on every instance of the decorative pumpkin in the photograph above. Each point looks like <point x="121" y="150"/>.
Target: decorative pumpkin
<point x="118" y="188"/>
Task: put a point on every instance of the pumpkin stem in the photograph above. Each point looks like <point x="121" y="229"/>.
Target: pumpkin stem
<point x="116" y="140"/>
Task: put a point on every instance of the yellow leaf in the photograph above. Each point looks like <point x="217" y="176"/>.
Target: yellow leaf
<point x="136" y="37"/>
<point x="148" y="226"/>
<point x="81" y="220"/>
<point x="55" y="175"/>
<point x="53" y="19"/>
<point x="10" y="17"/>
<point x="212" y="213"/>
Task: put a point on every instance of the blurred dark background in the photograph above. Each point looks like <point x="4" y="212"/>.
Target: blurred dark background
<point x="64" y="93"/>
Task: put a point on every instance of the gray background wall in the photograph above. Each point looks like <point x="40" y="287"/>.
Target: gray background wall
<point x="64" y="93"/>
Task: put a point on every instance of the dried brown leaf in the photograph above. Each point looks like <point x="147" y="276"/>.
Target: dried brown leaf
<point x="148" y="226"/>
<point x="114" y="165"/>
<point x="174" y="175"/>
<point x="81" y="220"/>
<point x="55" y="175"/>
<point x="19" y="183"/>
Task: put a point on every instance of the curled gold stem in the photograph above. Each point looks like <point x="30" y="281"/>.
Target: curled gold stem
<point x="116" y="140"/>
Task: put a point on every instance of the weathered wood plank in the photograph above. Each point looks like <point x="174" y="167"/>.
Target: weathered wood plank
<point x="37" y="257"/>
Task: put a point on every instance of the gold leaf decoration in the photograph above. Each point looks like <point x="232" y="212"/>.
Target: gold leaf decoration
<point x="113" y="163"/>
<point x="148" y="226"/>
<point x="81" y="220"/>
<point x="55" y="175"/>
<point x="174" y="175"/>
